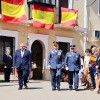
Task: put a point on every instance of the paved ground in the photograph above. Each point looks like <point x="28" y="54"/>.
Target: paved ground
<point x="41" y="90"/>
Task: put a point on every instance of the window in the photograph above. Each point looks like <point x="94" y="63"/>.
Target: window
<point x="51" y="2"/>
<point x="97" y="34"/>
<point x="30" y="2"/>
<point x="99" y="7"/>
<point x="62" y="4"/>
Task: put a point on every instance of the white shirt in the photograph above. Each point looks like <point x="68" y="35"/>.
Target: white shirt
<point x="86" y="61"/>
<point x="22" y="53"/>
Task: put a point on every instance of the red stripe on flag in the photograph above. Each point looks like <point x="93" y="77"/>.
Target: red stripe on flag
<point x="16" y="2"/>
<point x="69" y="23"/>
<point x="92" y="61"/>
<point x="42" y="25"/>
<point x="13" y="19"/>
<point x="68" y="10"/>
<point x="42" y="8"/>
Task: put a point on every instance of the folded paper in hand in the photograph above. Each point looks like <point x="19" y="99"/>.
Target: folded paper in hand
<point x="66" y="68"/>
<point x="34" y="66"/>
<point x="5" y="66"/>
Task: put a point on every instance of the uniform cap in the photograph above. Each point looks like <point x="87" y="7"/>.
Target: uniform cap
<point x="55" y="43"/>
<point x="72" y="46"/>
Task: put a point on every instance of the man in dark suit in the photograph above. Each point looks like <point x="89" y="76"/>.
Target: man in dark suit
<point x="72" y="62"/>
<point x="8" y="63"/>
<point x="22" y="63"/>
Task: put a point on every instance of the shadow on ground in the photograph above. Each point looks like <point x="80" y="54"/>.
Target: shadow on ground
<point x="34" y="88"/>
<point x="8" y="85"/>
<point x="65" y="89"/>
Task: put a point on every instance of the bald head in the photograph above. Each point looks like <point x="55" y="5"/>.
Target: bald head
<point x="22" y="46"/>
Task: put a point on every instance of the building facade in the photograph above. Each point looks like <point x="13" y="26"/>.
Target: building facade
<point x="89" y="17"/>
<point x="40" y="41"/>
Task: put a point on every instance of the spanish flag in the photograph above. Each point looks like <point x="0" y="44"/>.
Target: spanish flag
<point x="68" y="17"/>
<point x="43" y="16"/>
<point x="92" y="59"/>
<point x="13" y="11"/>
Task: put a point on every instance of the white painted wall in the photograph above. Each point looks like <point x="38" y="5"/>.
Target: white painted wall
<point x="43" y="39"/>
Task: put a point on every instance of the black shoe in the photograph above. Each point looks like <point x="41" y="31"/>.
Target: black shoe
<point x="26" y="87"/>
<point x="20" y="88"/>
<point x="70" y="87"/>
<point x="53" y="89"/>
<point x="58" y="88"/>
<point x="76" y="89"/>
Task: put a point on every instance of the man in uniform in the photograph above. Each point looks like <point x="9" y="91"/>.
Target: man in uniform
<point x="55" y="64"/>
<point x="73" y="64"/>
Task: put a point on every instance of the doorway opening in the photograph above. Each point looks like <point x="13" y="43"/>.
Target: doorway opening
<point x="37" y="58"/>
<point x="65" y="47"/>
<point x="6" y="42"/>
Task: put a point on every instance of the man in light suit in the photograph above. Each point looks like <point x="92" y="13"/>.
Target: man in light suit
<point x="22" y="63"/>
<point x="55" y="64"/>
<point x="72" y="62"/>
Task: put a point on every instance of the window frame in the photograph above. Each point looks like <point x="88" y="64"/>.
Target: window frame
<point x="32" y="2"/>
<point x="95" y="34"/>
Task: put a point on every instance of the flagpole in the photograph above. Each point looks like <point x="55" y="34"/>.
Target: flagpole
<point x="57" y="8"/>
<point x="85" y="24"/>
<point x="70" y="4"/>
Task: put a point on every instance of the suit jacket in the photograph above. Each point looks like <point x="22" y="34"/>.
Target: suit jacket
<point x="72" y="61"/>
<point x="7" y="60"/>
<point x="24" y="61"/>
<point x="98" y="62"/>
<point x="54" y="59"/>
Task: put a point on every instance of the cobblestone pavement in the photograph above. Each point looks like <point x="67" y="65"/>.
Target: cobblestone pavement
<point x="41" y="90"/>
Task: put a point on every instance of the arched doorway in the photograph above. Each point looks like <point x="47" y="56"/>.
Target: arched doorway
<point x="37" y="57"/>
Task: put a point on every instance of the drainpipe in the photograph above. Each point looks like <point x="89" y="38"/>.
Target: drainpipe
<point x="85" y="24"/>
<point x="29" y="11"/>
<point x="70" y="4"/>
<point x="57" y="11"/>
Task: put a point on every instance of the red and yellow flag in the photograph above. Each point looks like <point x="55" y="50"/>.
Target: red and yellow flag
<point x="68" y="17"/>
<point x="43" y="16"/>
<point x="92" y="59"/>
<point x="13" y="11"/>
